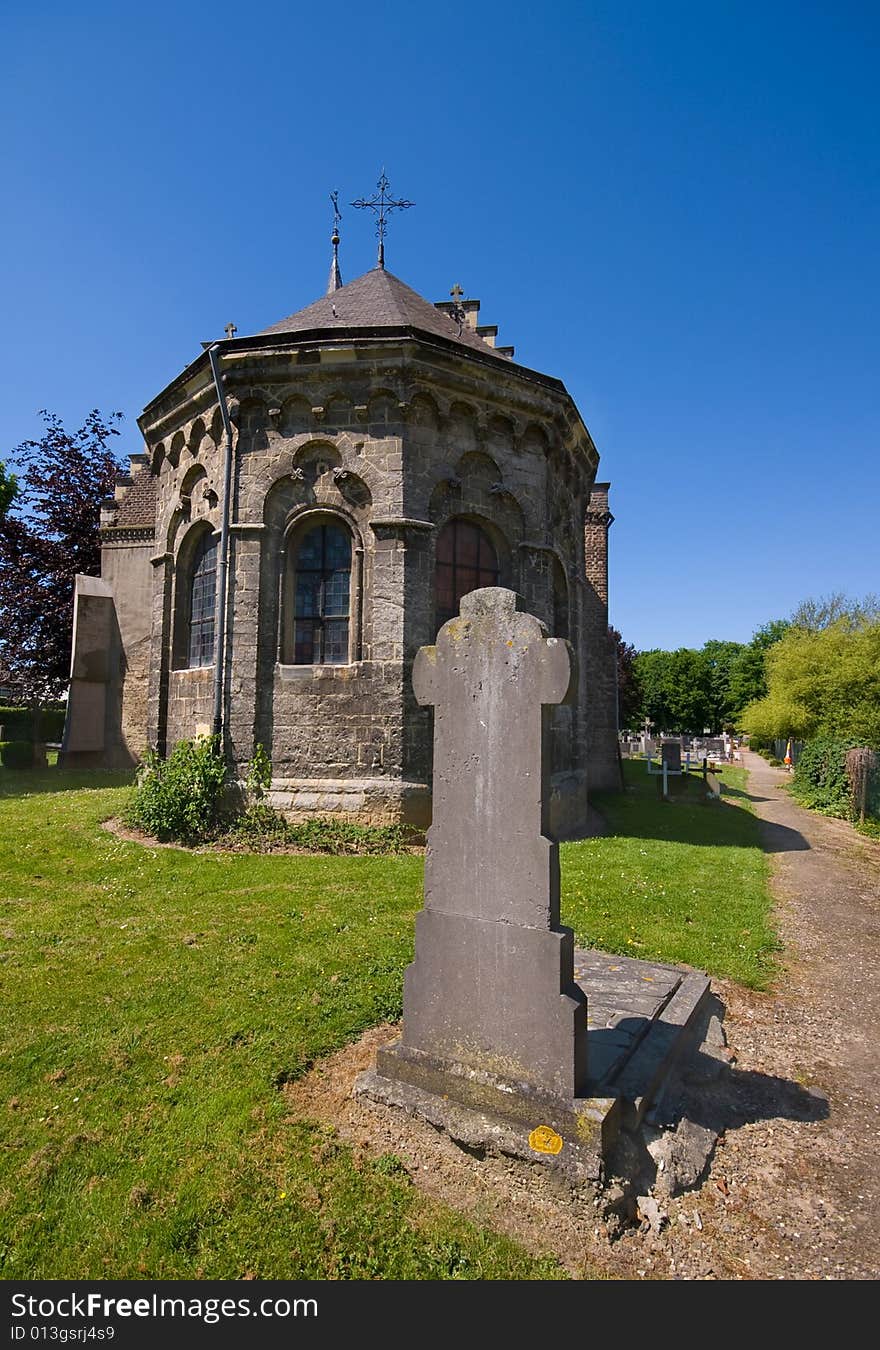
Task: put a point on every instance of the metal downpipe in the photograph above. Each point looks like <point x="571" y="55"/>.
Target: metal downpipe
<point x="220" y="650"/>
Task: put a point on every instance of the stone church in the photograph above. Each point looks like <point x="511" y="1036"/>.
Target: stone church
<point x="309" y="507"/>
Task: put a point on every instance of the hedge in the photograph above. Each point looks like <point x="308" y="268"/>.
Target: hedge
<point x="17" y="754"/>
<point x="18" y="724"/>
<point x="820" y="780"/>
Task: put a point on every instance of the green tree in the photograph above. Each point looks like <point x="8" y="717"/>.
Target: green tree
<point x="721" y="658"/>
<point x="815" y="615"/>
<point x="823" y="679"/>
<point x="676" y="689"/>
<point x="764" y="637"/>
<point x="8" y="489"/>
<point x="747" y="680"/>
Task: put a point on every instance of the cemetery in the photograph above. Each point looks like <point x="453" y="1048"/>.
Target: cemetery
<point x="238" y="1066"/>
<point x="185" y="997"/>
<point x="405" y="876"/>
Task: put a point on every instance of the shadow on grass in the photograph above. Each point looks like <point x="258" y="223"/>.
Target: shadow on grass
<point x="35" y="782"/>
<point x="689" y="818"/>
<point x="731" y="791"/>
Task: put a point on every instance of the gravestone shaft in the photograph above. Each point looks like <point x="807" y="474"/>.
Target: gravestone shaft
<point x="670" y="755"/>
<point x="491" y="990"/>
<point x="490" y="679"/>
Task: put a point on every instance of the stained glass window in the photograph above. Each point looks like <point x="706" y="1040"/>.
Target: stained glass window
<point x="203" y="582"/>
<point x="322" y="588"/>
<point x="466" y="560"/>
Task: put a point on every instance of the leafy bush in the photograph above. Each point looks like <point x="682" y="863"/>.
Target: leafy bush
<point x="326" y="834"/>
<point x="17" y="754"/>
<point x="820" y="780"/>
<point x="259" y="777"/>
<point x="259" y="828"/>
<point x="181" y="798"/>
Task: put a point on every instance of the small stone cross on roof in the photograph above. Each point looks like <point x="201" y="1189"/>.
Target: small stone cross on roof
<point x="458" y="314"/>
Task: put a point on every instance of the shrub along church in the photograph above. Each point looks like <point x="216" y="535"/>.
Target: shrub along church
<point x="310" y="506"/>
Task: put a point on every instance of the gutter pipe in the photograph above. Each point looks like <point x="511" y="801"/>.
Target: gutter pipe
<point x="220" y="621"/>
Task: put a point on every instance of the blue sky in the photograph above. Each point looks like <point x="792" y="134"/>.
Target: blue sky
<point x="674" y="208"/>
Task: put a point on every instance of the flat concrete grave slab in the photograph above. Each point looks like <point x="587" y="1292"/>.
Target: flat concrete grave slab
<point x="641" y="1016"/>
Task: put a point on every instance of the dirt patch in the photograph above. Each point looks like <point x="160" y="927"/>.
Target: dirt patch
<point x="791" y="1191"/>
<point x="117" y="827"/>
<point x="495" y="1192"/>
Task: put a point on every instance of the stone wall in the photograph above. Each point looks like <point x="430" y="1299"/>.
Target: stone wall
<point x="125" y="567"/>
<point x="601" y="658"/>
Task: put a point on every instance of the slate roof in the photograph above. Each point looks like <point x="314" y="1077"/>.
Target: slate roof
<point x="138" y="506"/>
<point x="378" y="299"/>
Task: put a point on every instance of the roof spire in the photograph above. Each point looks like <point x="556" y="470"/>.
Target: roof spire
<point x="335" y="280"/>
<point x="383" y="206"/>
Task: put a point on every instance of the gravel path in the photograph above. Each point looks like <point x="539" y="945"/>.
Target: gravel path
<point x="793" y="1189"/>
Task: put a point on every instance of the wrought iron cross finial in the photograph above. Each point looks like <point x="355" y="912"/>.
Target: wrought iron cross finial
<point x="383" y="204"/>
<point x="335" y="281"/>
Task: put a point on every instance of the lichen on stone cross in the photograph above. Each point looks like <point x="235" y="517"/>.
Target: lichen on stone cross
<point x="492" y="678"/>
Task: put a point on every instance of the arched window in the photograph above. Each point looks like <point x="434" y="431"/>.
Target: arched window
<point x="465" y="560"/>
<point x="321" y="595"/>
<point x="202" y="593"/>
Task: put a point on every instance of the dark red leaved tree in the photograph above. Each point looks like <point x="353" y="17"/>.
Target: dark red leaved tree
<point x="629" y="694"/>
<point x="48" y="535"/>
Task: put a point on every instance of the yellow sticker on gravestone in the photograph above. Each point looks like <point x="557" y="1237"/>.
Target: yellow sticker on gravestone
<point x="545" y="1140"/>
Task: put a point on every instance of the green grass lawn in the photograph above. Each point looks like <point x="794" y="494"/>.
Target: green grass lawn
<point x="681" y="881"/>
<point x="156" y="1000"/>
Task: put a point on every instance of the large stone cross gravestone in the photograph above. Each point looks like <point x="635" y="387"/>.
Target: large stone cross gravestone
<point x="492" y="1016"/>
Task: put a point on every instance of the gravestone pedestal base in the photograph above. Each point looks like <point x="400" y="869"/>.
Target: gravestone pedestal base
<point x="498" y="998"/>
<point x="575" y="1137"/>
<point x="489" y="1114"/>
<point x="644" y="1019"/>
